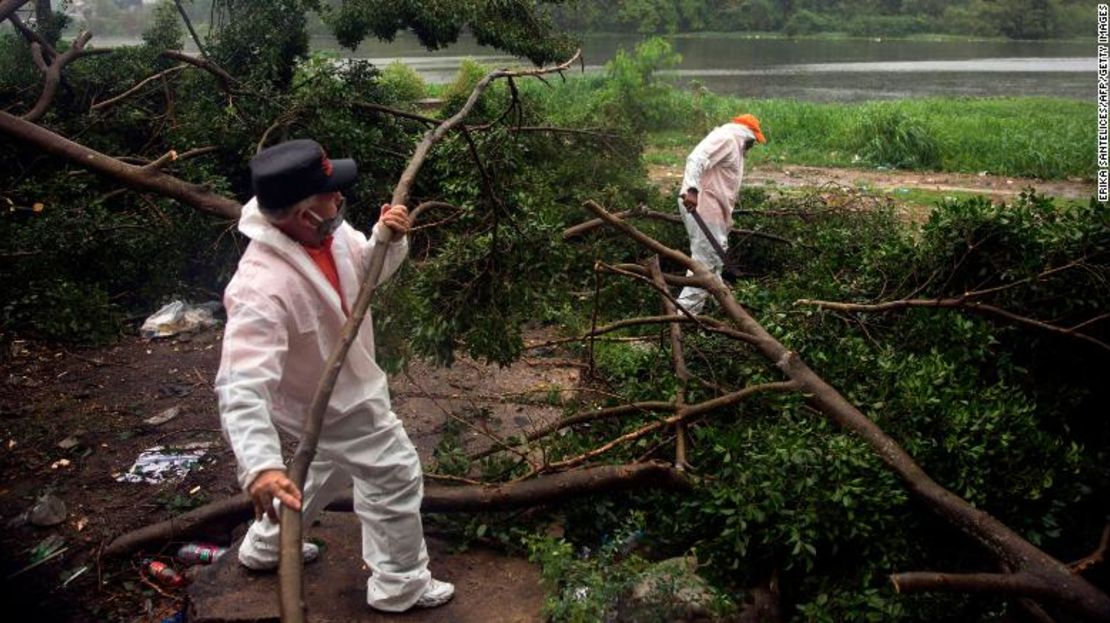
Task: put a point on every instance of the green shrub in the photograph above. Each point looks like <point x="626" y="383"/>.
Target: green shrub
<point x="805" y="22"/>
<point x="891" y="138"/>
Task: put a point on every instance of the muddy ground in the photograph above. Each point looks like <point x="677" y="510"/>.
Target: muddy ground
<point x="72" y="420"/>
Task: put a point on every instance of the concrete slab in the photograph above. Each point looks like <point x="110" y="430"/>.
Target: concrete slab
<point x="490" y="587"/>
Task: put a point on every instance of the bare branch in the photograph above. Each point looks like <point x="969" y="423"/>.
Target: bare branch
<point x="98" y="106"/>
<point x="227" y="82"/>
<point x="52" y="74"/>
<point x="1096" y="557"/>
<point x="437" y="499"/>
<point x="139" y="178"/>
<point x="1019" y="584"/>
<point x="33" y="37"/>
<point x="961" y="302"/>
<point x="9" y="7"/>
<point x="641" y="211"/>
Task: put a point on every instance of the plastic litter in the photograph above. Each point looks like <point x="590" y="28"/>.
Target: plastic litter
<point x="163" y="416"/>
<point x="161" y="464"/>
<point x="179" y="317"/>
<point x="200" y="553"/>
<point x="164" y="574"/>
<point x="48" y="511"/>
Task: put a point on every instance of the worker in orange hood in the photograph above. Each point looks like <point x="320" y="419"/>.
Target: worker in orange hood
<point x="710" y="184"/>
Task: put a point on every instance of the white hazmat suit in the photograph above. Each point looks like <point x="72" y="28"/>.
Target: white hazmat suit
<point x="715" y="168"/>
<point x="284" y="320"/>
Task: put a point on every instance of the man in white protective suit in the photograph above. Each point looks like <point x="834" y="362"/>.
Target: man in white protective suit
<point x="714" y="171"/>
<point x="286" y="306"/>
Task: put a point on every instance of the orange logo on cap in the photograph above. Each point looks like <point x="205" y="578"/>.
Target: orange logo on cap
<point x="325" y="163"/>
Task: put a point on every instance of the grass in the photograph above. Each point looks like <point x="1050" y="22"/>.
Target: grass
<point x="1027" y="137"/>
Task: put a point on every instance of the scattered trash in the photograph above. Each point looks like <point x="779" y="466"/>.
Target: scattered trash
<point x="200" y="553"/>
<point x="48" y="511"/>
<point x="179" y="317"/>
<point x="59" y="463"/>
<point x="69" y="443"/>
<point x="48" y="549"/>
<point x="73" y="575"/>
<point x="164" y="574"/>
<point x="177" y="618"/>
<point x="81" y="523"/>
<point x="18" y="348"/>
<point x="163" y="416"/>
<point x="160" y="464"/>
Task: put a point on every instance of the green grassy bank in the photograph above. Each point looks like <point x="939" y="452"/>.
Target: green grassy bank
<point x="1028" y="137"/>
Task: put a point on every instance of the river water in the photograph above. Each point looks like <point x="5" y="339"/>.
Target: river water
<point x="813" y="69"/>
<point x="805" y="69"/>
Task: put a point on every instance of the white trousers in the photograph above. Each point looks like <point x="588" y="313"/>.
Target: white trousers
<point x="701" y="250"/>
<point x="376" y="454"/>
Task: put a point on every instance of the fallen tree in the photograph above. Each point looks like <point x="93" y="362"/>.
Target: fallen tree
<point x="1054" y="582"/>
<point x="551" y="489"/>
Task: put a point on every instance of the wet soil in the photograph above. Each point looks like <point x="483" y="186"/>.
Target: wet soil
<point x="72" y="420"/>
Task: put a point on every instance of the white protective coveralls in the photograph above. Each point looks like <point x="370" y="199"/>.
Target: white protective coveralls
<point x="283" y="321"/>
<point x="715" y="168"/>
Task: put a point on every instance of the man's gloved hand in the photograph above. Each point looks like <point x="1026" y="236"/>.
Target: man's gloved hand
<point x="690" y="199"/>
<point x="396" y="218"/>
<point x="270" y="484"/>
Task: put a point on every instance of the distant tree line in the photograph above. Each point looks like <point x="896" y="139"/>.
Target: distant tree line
<point x="1016" y="19"/>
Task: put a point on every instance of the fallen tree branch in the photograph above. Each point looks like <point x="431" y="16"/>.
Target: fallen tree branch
<point x="136" y="177"/>
<point x="99" y="106"/>
<point x="227" y="82"/>
<point x="961" y="302"/>
<point x="677" y="360"/>
<point x="1021" y="584"/>
<point x="1096" y="557"/>
<point x="9" y="7"/>
<point x="52" y="73"/>
<point x="641" y="211"/>
<point x="1069" y="591"/>
<point x="31" y="36"/>
<point x="550" y="489"/>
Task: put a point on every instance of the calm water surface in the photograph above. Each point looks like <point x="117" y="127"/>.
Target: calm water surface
<point x="817" y="70"/>
<point x="820" y="70"/>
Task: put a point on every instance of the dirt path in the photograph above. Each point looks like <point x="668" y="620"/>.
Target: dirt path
<point x="72" y="420"/>
<point x="789" y="176"/>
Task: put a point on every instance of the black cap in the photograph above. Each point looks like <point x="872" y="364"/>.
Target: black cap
<point x="284" y="174"/>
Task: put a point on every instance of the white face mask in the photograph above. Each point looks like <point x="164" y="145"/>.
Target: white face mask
<point x="327" y="226"/>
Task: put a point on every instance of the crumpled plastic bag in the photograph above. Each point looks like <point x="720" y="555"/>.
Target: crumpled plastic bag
<point x="159" y="464"/>
<point x="179" y="317"/>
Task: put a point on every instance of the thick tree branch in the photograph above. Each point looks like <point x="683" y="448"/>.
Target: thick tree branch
<point x="1015" y="584"/>
<point x="52" y="74"/>
<point x="550" y="489"/>
<point x="9" y="7"/>
<point x="139" y="178"/>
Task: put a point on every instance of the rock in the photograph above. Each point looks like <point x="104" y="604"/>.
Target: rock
<point x="668" y="591"/>
<point x="48" y="511"/>
<point x="69" y="442"/>
<point x="163" y="416"/>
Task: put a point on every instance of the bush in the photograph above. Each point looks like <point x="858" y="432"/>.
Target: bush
<point x="888" y="25"/>
<point x="892" y="139"/>
<point x="807" y="23"/>
<point x="402" y="82"/>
